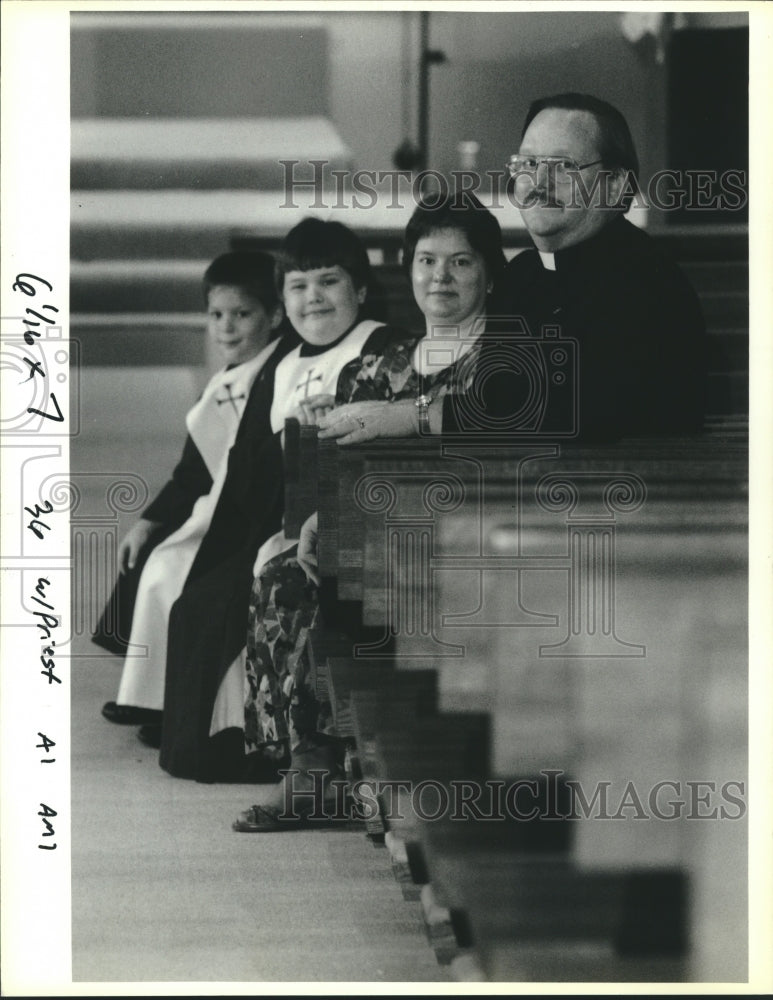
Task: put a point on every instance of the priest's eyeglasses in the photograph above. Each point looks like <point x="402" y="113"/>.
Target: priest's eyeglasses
<point x="559" y="167"/>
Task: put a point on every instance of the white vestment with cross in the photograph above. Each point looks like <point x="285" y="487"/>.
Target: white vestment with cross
<point x="298" y="378"/>
<point x="212" y="424"/>
<point x="213" y="420"/>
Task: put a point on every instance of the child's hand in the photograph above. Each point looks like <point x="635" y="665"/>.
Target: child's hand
<point x="133" y="543"/>
<point x="314" y="408"/>
<point x="307" y="549"/>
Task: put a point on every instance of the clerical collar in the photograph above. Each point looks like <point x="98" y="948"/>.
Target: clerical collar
<point x="312" y="350"/>
<point x="586" y="252"/>
<point x="548" y="260"/>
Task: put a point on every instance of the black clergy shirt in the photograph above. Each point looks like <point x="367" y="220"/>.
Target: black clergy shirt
<point x="609" y="344"/>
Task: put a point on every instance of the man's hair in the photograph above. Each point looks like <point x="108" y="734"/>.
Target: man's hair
<point x="250" y="270"/>
<point x="313" y="244"/>
<point x="463" y="211"/>
<point x="616" y="145"/>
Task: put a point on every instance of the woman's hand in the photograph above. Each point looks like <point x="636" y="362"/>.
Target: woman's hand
<point x="133" y="543"/>
<point x="307" y="549"/>
<point x="353" y="423"/>
<point x="313" y="408"/>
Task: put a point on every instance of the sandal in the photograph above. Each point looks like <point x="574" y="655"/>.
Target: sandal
<point x="273" y="819"/>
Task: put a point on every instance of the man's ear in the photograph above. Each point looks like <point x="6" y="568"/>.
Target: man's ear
<point x="362" y="294"/>
<point x="622" y="187"/>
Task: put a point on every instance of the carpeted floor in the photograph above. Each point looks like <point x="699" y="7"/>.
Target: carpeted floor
<point x="162" y="888"/>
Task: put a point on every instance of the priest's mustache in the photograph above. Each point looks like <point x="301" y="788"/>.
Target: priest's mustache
<point x="540" y="196"/>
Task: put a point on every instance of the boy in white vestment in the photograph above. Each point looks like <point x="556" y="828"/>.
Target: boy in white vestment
<point x="243" y="316"/>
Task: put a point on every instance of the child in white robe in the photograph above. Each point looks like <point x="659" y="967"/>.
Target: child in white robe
<point x="243" y="316"/>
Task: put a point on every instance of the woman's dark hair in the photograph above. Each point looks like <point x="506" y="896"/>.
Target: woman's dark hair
<point x="250" y="270"/>
<point x="616" y="145"/>
<point x="313" y="244"/>
<point x="457" y="210"/>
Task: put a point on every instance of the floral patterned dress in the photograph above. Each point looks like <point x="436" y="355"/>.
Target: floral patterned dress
<point x="284" y="605"/>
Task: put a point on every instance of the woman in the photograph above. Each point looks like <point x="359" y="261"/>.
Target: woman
<point x="323" y="274"/>
<point x="453" y="254"/>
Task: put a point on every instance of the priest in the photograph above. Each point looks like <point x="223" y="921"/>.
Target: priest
<point x="600" y="335"/>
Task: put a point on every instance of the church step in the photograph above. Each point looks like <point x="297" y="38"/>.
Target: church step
<point x="726" y="308"/>
<point x="200" y="153"/>
<point x="157" y="224"/>
<point x="125" y="224"/>
<point x="118" y="340"/>
<point x="717" y="275"/>
<point x="705" y="243"/>
<point x="175" y="285"/>
<point x="168" y="225"/>
<point x="727" y="393"/>
<point x="137" y="286"/>
<point x="728" y="350"/>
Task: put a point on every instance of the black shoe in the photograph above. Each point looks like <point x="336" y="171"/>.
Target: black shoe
<point x="150" y="735"/>
<point x="222" y="759"/>
<point x="128" y="715"/>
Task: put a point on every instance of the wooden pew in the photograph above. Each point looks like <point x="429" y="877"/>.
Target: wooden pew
<point x="384" y="691"/>
<point x="694" y="496"/>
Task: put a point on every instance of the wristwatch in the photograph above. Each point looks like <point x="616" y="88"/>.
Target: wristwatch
<point x="422" y="405"/>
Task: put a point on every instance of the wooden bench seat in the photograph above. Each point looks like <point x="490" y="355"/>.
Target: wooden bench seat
<point x="679" y="588"/>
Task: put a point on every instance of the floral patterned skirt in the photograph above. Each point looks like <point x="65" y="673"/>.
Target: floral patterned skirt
<point x="279" y="704"/>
